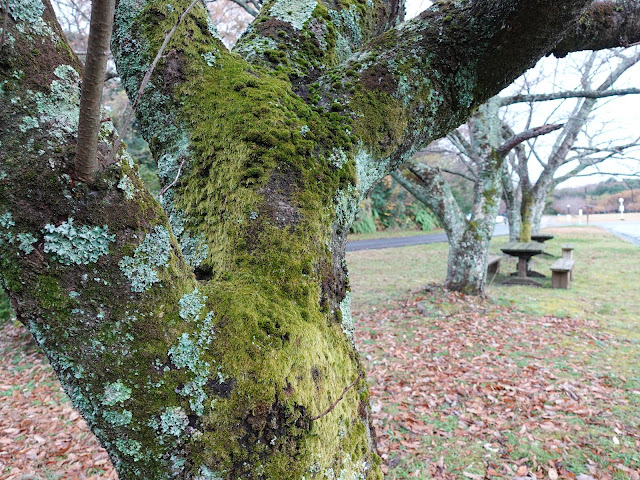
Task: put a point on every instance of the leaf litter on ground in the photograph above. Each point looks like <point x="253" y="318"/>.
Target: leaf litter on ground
<point x="464" y="388"/>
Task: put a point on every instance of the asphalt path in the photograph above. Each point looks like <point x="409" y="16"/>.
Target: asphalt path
<point x="627" y="230"/>
<point x="500" y="229"/>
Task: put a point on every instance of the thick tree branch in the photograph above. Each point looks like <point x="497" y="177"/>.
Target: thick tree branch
<point x="147" y="76"/>
<point x="306" y="38"/>
<point x="430" y="76"/>
<point x="76" y="243"/>
<point x="605" y="24"/>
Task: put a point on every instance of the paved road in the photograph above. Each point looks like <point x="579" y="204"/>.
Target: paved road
<point x="628" y="230"/>
<point x="500" y="229"/>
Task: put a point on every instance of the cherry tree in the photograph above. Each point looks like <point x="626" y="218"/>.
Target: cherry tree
<point x="206" y="334"/>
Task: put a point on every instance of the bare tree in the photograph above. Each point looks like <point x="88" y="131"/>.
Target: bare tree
<point x="575" y="150"/>
<point x="208" y="335"/>
<point x="482" y="147"/>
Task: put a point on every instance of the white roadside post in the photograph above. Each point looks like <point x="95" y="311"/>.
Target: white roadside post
<point x="621" y="208"/>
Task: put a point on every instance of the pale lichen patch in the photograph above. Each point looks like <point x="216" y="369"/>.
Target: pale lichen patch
<point x="27" y="11"/>
<point x="151" y="254"/>
<point x="347" y="321"/>
<point x="81" y="246"/>
<point x="173" y="421"/>
<point x="26" y="242"/>
<point x="295" y="12"/>
<point x="114" y="393"/>
<point x="126" y="185"/>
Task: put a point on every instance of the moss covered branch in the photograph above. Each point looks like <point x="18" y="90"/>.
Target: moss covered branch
<point x="605" y="24"/>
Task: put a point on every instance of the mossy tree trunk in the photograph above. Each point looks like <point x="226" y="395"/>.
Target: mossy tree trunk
<point x="526" y="215"/>
<point x="208" y="335"/>
<point x="512" y="197"/>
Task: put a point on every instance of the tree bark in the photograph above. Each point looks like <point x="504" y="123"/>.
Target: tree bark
<point x="526" y="215"/>
<point x="511" y="195"/>
<point x="209" y="335"/>
<point x="538" y="210"/>
<point x="86" y="161"/>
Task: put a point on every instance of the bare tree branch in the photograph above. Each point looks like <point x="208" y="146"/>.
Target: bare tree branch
<point x="543" y="97"/>
<point x="459" y="174"/>
<point x="515" y="140"/>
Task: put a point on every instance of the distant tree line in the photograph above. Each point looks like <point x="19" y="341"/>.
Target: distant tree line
<point x="390" y="207"/>
<point x="597" y="198"/>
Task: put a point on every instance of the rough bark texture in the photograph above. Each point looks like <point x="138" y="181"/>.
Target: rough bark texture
<point x="512" y="196"/>
<point x="208" y="336"/>
<point x="605" y="24"/>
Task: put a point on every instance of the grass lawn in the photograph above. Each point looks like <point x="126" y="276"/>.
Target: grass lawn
<point x="529" y="382"/>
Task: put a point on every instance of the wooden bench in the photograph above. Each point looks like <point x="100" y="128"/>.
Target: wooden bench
<point x="567" y="251"/>
<point x="493" y="264"/>
<point x="562" y="273"/>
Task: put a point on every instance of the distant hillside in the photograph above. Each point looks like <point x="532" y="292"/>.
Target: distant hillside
<point x="602" y="197"/>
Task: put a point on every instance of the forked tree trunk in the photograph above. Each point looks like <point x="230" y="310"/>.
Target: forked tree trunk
<point x="209" y="336"/>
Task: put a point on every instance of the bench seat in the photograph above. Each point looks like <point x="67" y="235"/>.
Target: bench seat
<point x="562" y="273"/>
<point x="493" y="264"/>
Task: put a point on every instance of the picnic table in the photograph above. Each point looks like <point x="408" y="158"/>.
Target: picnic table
<point x="541" y="237"/>
<point x="524" y="251"/>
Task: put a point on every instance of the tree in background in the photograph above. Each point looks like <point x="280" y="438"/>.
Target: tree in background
<point x="575" y="149"/>
<point x="208" y="335"/>
<point x="481" y="148"/>
<point x="482" y="145"/>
